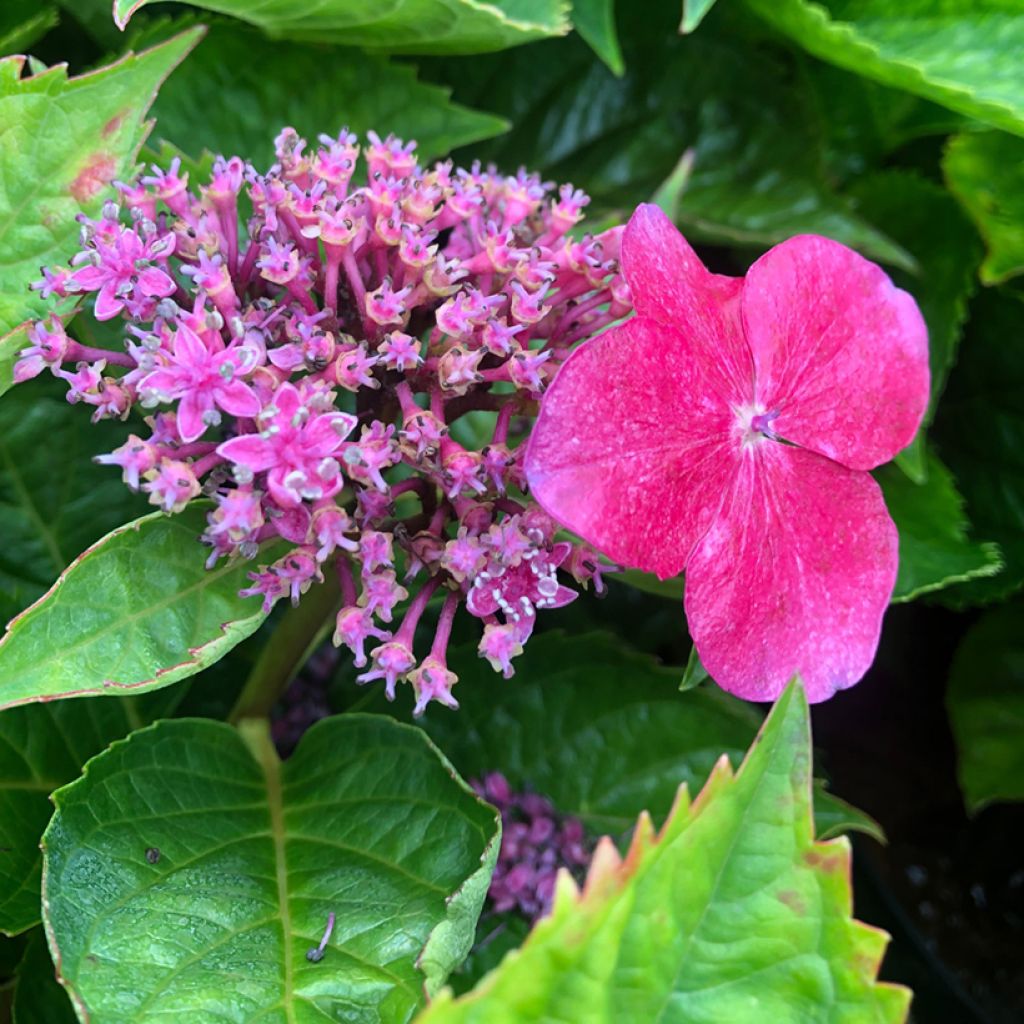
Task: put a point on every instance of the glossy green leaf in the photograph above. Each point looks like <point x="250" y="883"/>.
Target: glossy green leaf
<point x="595" y="21"/>
<point x="694" y="12"/>
<point x="261" y="86"/>
<point x="399" y="26"/>
<point x="756" y="177"/>
<point x="965" y="56"/>
<point x="936" y="549"/>
<point x="695" y="673"/>
<point x="64" y="141"/>
<point x="43" y="747"/>
<point x="979" y="431"/>
<point x="22" y="22"/>
<point x="986" y="707"/>
<point x="136" y="611"/>
<point x="54" y="501"/>
<point x="38" y="997"/>
<point x="985" y="171"/>
<point x="189" y="871"/>
<point x="732" y="913"/>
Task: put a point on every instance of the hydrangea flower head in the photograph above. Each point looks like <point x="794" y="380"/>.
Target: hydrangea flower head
<point x="727" y="430"/>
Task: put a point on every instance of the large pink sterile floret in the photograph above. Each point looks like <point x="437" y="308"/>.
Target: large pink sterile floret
<point x="726" y="429"/>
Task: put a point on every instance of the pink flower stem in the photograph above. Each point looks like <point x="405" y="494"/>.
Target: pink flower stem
<point x="415" y="611"/>
<point x="188" y="451"/>
<point x="348" y="583"/>
<point x="501" y="425"/>
<point x="439" y="648"/>
<point x="437" y="403"/>
<point x="77" y="353"/>
<point x="331" y="279"/>
<point x="203" y="466"/>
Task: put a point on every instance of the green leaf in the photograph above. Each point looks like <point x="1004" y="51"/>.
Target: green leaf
<point x="695" y="673"/>
<point x="64" y="141"/>
<point x="979" y="431"/>
<point x="835" y="817"/>
<point x="399" y="26"/>
<point x="22" y="22"/>
<point x="986" y="707"/>
<point x="38" y="998"/>
<point x="985" y="171"/>
<point x="52" y="507"/>
<point x="964" y="56"/>
<point x="42" y="748"/>
<point x="694" y="12"/>
<point x="261" y="86"/>
<point x="757" y="177"/>
<point x="925" y="220"/>
<point x="733" y="912"/>
<point x="366" y="820"/>
<point x="595" y="21"/>
<point x="136" y="611"/>
<point x="936" y="550"/>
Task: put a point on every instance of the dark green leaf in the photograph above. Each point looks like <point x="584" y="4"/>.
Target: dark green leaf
<point x="936" y="550"/>
<point x="189" y="869"/>
<point x="986" y="707"/>
<point x="731" y="913"/>
<point x="22" y="22"/>
<point x="757" y="175"/>
<point x="260" y="86"/>
<point x="985" y="170"/>
<point x="595" y="21"/>
<point x="695" y="673"/>
<point x="980" y="434"/>
<point x="65" y="140"/>
<point x="835" y="817"/>
<point x="38" y="997"/>
<point x="54" y="501"/>
<point x="399" y="26"/>
<point x="965" y="56"/>
<point x="137" y="611"/>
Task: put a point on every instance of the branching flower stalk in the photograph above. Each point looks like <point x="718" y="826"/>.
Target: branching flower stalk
<point x="304" y="370"/>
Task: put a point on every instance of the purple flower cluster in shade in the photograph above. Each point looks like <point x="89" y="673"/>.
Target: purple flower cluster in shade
<point x="304" y="370"/>
<point x="535" y="842"/>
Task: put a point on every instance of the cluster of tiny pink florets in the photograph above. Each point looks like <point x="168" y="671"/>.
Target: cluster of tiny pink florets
<point x="304" y="371"/>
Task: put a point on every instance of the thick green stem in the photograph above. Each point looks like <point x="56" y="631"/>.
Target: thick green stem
<point x="301" y="629"/>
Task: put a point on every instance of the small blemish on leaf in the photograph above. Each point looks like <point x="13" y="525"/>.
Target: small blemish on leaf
<point x="153" y="855"/>
<point x="98" y="172"/>
<point x="794" y="901"/>
<point x="113" y="124"/>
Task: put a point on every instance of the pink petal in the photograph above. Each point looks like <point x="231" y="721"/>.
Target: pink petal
<point x="793" y="577"/>
<point x="90" y="278"/>
<point x="238" y="399"/>
<point x="630" y="450"/>
<point x="154" y="282"/>
<point x="250" y="450"/>
<point x="839" y="351"/>
<point x="669" y="284"/>
<point x="324" y="435"/>
<point x="189" y="347"/>
<point x="108" y="305"/>
<point x="190" y="414"/>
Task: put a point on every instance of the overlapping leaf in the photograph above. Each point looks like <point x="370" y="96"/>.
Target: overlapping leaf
<point x="62" y="141"/>
<point x="732" y="913"/>
<point x="756" y="175"/>
<point x="22" y="22"/>
<point x="38" y="998"/>
<point x="400" y="26"/>
<point x="136" y="611"/>
<point x="188" y="868"/>
<point x="985" y="170"/>
<point x="54" y="501"/>
<point x="980" y="435"/>
<point x="260" y="86"/>
<point x="963" y="55"/>
<point x="986" y="707"/>
<point x="595" y="21"/>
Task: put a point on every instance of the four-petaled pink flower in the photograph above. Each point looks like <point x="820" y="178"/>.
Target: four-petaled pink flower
<point x="296" y="446"/>
<point x="726" y="429"/>
<point x="204" y="378"/>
